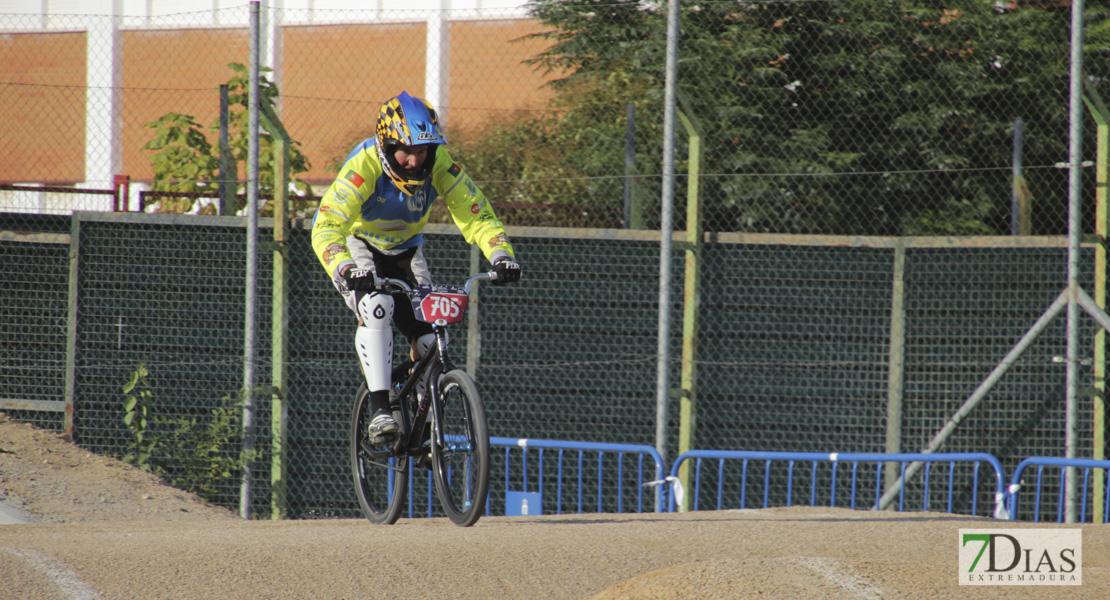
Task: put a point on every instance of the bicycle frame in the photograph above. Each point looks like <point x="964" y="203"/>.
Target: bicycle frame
<point x="414" y="415"/>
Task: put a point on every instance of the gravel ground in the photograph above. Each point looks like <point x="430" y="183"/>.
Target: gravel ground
<point x="104" y="530"/>
<point x="50" y="480"/>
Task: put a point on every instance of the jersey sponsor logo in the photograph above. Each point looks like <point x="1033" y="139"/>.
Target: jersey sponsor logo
<point x="333" y="212"/>
<point x="498" y="240"/>
<point x="393" y="226"/>
<point x="417" y="201"/>
<point x="454" y="170"/>
<point x="473" y="189"/>
<point x="379" y="239"/>
<point x="332" y="251"/>
<point x="474" y="208"/>
<point x="341" y="196"/>
<point x="354" y="178"/>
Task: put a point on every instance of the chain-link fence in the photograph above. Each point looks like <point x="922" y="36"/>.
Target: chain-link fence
<point x="850" y="117"/>
<point x="823" y="126"/>
<point x="794" y="343"/>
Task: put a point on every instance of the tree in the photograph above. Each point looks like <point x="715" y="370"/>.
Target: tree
<point x="185" y="161"/>
<point x="570" y="160"/>
<point x="849" y="117"/>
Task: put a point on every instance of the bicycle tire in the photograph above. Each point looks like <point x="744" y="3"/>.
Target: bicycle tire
<point x="381" y="490"/>
<point x="460" y="449"/>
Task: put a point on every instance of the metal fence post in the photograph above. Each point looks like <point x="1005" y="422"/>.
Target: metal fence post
<point x="229" y="176"/>
<point x="1020" y="221"/>
<point x="896" y="363"/>
<point x="663" y="366"/>
<point x="1075" y="192"/>
<point x="1102" y="155"/>
<point x="71" y="323"/>
<point x="474" y="318"/>
<point x="250" y="316"/>
<point x="633" y="217"/>
<point x="687" y="428"/>
<point x="280" y="317"/>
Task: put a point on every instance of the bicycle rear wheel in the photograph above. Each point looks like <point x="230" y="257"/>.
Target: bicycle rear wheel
<point x="381" y="480"/>
<point x="460" y="450"/>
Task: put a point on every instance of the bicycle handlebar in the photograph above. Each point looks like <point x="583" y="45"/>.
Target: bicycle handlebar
<point x="405" y="287"/>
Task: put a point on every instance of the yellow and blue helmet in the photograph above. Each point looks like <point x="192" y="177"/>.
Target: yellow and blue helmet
<point x="406" y="120"/>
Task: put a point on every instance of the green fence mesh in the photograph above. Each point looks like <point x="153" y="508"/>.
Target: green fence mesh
<point x="794" y="347"/>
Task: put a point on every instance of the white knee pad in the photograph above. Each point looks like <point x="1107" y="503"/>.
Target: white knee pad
<point x="376" y="308"/>
<point x="374" y="340"/>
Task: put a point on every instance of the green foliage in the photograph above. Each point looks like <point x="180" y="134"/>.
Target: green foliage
<point x="192" y="454"/>
<point x="554" y="160"/>
<point x="185" y="161"/>
<point x="850" y="117"/>
<point x="204" y="453"/>
<point x="137" y="403"/>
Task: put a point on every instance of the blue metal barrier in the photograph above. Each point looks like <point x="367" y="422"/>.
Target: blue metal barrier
<point x="1047" y="461"/>
<point x="1005" y="499"/>
<point x="581" y="448"/>
<point x="814" y="458"/>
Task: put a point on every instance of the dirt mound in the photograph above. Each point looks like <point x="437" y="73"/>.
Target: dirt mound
<point x="52" y="480"/>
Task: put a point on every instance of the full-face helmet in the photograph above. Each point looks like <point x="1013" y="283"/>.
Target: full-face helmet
<point x="408" y="121"/>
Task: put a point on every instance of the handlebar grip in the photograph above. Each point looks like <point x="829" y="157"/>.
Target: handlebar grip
<point x="385" y="283"/>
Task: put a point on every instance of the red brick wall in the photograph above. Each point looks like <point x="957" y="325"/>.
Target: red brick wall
<point x="42" y="119"/>
<point x="334" y="79"/>
<point x="489" y="80"/>
<point x="178" y="71"/>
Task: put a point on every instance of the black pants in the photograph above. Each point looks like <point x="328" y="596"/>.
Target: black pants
<point x="399" y="266"/>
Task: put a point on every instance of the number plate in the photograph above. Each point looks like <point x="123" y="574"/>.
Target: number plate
<point x="434" y="304"/>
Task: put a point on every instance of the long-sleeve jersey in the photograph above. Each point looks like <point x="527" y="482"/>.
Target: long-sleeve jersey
<point x="364" y="202"/>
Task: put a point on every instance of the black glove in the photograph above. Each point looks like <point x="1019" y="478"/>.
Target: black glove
<point x="507" y="271"/>
<point x="360" y="280"/>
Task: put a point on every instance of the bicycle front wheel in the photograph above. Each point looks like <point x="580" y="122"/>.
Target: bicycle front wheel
<point x="381" y="480"/>
<point x="460" y="449"/>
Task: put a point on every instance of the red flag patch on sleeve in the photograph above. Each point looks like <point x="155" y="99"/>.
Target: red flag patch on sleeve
<point x="355" y="179"/>
<point x="454" y="170"/>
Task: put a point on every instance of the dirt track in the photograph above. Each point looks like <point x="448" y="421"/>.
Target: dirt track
<point x="777" y="553"/>
<point x="107" y="531"/>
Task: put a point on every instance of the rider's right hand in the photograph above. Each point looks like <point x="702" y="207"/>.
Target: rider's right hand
<point x="359" y="280"/>
<point x="507" y="269"/>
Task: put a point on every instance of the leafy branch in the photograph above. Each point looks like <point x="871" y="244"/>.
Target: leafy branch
<point x="193" y="454"/>
<point x="184" y="160"/>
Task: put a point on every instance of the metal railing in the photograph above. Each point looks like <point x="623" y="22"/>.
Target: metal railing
<point x="581" y="448"/>
<point x="835" y="459"/>
<point x="1041" y="462"/>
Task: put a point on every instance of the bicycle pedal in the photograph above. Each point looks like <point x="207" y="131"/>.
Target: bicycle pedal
<point x="383" y="439"/>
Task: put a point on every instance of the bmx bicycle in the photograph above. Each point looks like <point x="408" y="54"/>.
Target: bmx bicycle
<point x="443" y="428"/>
